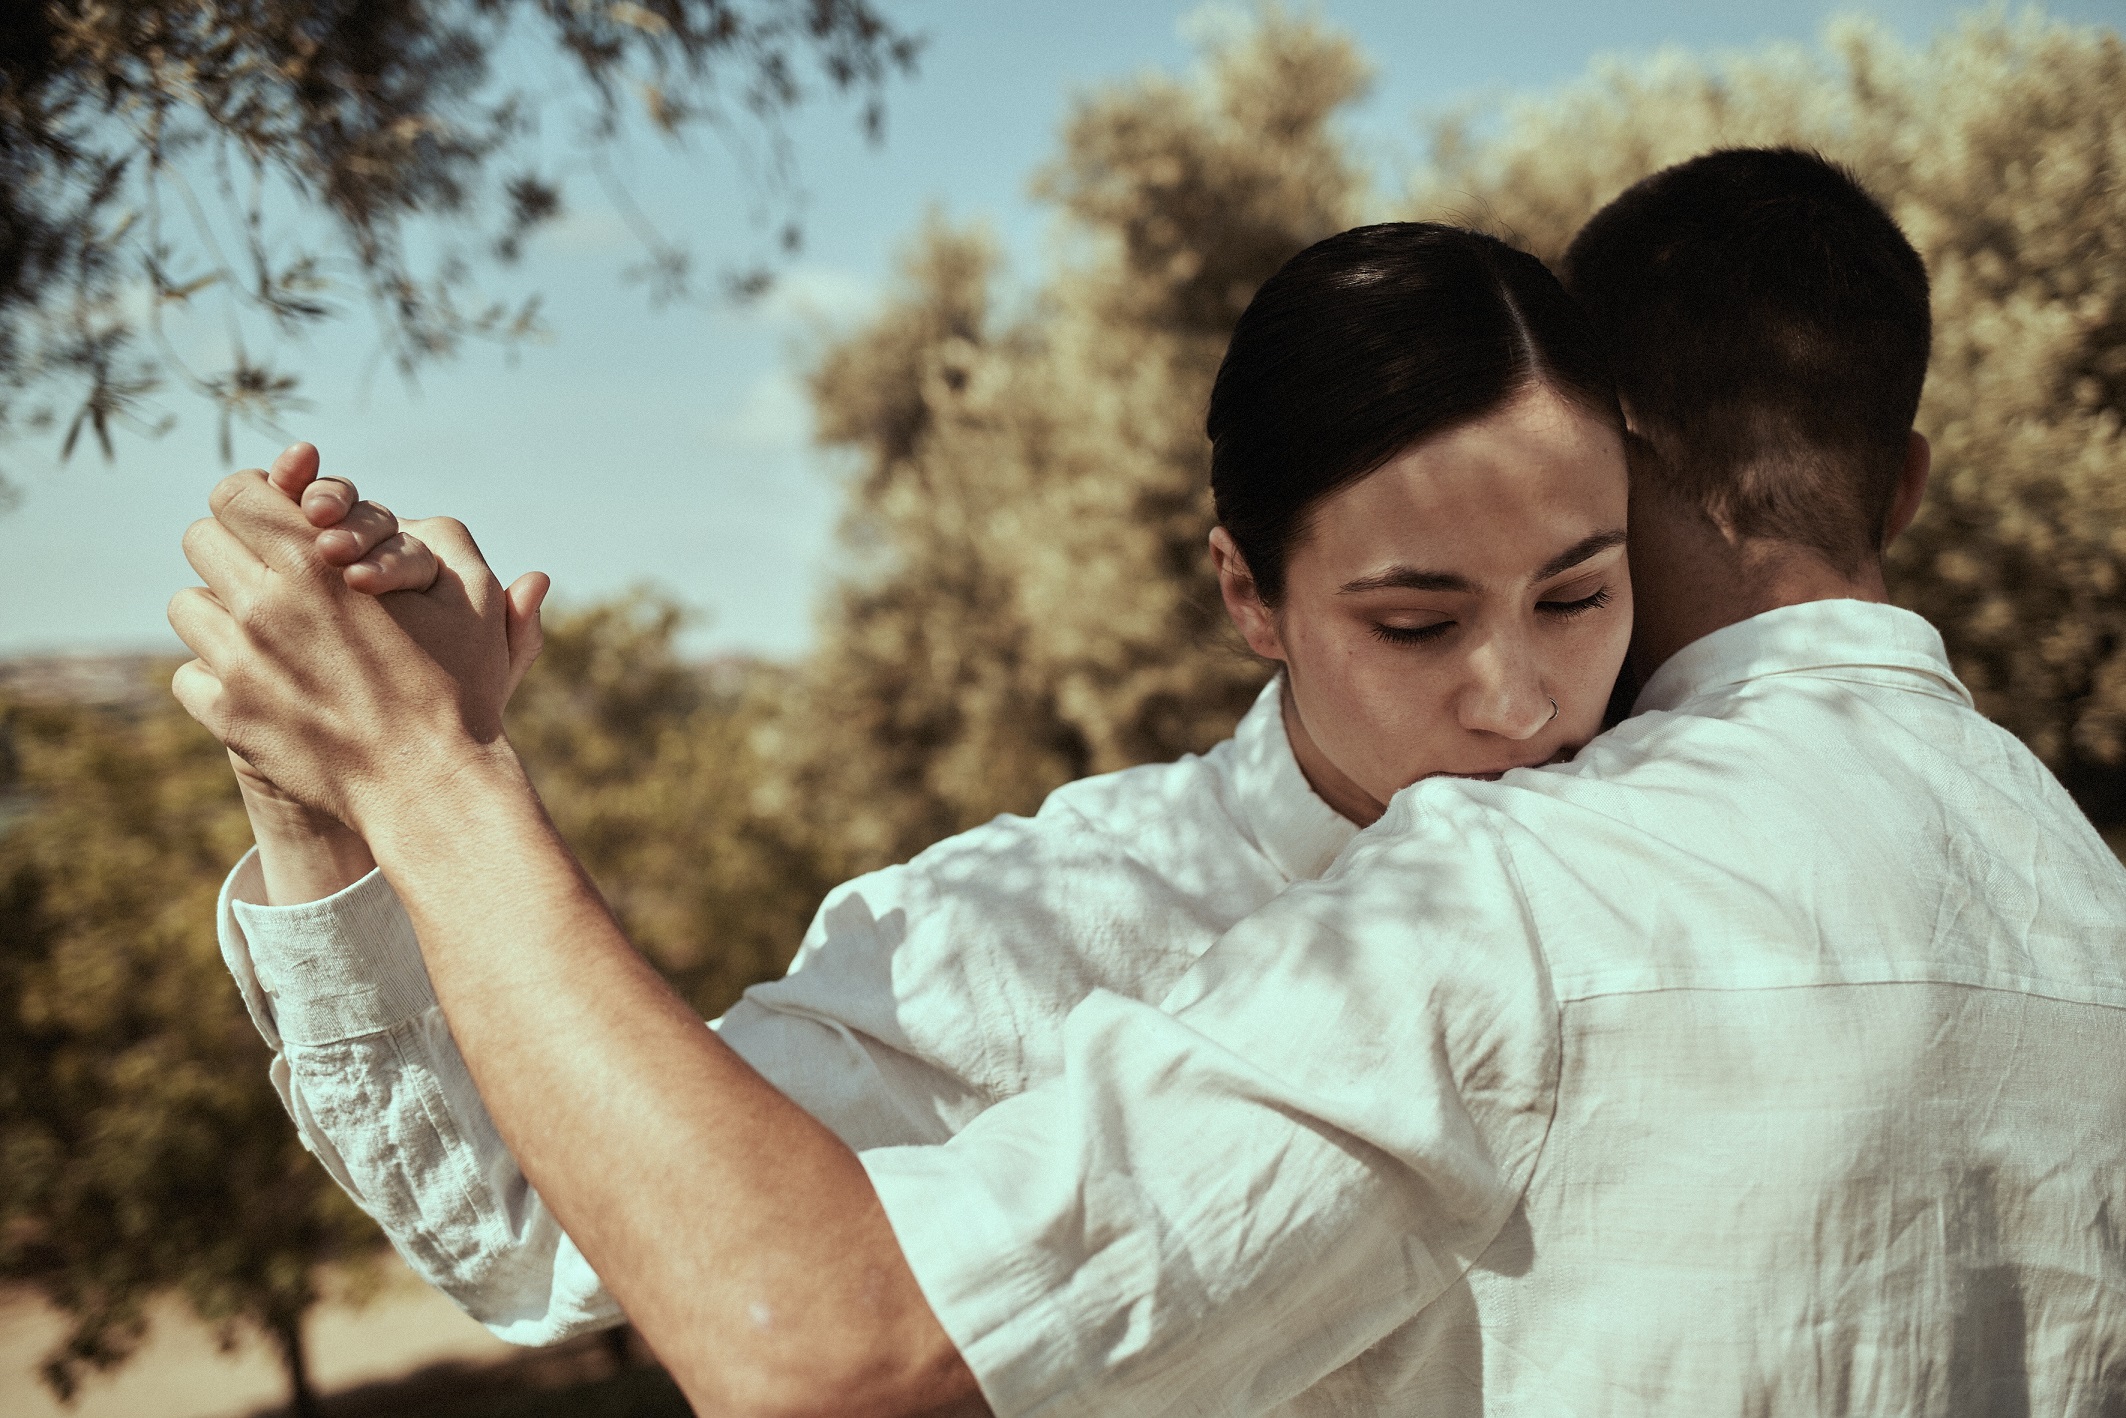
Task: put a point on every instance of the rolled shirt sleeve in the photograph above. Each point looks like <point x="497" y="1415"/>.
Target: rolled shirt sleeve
<point x="366" y="1066"/>
<point x="365" y="1063"/>
<point x="1225" y="1198"/>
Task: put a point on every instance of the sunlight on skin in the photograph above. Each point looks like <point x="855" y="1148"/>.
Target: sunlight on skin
<point x="673" y="1165"/>
<point x="1435" y="609"/>
<point x="305" y="855"/>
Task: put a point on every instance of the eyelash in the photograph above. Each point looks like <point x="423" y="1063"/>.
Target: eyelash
<point x="1568" y="609"/>
<point x="1418" y="635"/>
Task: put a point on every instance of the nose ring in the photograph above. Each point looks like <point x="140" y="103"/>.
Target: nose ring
<point x="1553" y="709"/>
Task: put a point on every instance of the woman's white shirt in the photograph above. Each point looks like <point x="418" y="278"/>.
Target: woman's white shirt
<point x="921" y="995"/>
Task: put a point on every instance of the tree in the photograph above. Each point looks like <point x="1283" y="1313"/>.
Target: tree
<point x="1030" y="503"/>
<point x="152" y="150"/>
<point x="142" y="1147"/>
<point x="653" y="772"/>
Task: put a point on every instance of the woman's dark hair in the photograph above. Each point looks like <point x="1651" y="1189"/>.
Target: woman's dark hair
<point x="1365" y="343"/>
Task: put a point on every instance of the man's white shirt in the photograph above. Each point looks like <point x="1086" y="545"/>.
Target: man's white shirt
<point x="921" y="995"/>
<point x="1770" y="1057"/>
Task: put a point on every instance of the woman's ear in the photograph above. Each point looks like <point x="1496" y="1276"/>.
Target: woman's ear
<point x="1236" y="586"/>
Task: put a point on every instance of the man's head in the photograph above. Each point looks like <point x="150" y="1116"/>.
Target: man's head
<point x="1769" y="329"/>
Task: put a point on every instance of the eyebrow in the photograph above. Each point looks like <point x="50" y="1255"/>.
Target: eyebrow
<point x="1411" y="578"/>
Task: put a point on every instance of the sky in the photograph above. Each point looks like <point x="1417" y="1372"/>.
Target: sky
<point x="672" y="447"/>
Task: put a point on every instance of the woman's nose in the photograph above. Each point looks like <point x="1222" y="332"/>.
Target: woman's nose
<point x="1504" y="694"/>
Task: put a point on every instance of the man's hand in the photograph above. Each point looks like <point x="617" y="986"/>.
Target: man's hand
<point x="331" y="693"/>
<point x="362" y="538"/>
<point x="377" y="556"/>
<point x="305" y="854"/>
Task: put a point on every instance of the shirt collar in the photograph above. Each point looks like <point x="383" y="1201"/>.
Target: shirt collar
<point x="1295" y="829"/>
<point x="1815" y="635"/>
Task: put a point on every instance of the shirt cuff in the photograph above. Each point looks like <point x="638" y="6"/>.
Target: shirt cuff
<point x="329" y="970"/>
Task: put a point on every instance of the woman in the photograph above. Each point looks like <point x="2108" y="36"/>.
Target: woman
<point x="1419" y="479"/>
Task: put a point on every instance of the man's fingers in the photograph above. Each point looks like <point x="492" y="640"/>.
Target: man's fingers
<point x="363" y="529"/>
<point x="204" y="624"/>
<point x="262" y="519"/>
<point x="294" y="475"/>
<point x="526" y="636"/>
<point x="230" y="569"/>
<point x="398" y="563"/>
<point x="293" y="470"/>
<point x="199" y="692"/>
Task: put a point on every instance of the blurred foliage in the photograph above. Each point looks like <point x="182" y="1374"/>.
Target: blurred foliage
<point x="1030" y="499"/>
<point x="142" y="1147"/>
<point x="154" y="152"/>
<point x="1029" y="505"/>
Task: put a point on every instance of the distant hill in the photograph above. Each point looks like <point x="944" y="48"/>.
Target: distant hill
<point x="113" y="681"/>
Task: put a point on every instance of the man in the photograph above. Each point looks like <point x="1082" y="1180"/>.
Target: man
<point x="1771" y="1056"/>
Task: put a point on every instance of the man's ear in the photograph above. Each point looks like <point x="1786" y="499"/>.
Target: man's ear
<point x="1236" y="586"/>
<point x="1911" y="486"/>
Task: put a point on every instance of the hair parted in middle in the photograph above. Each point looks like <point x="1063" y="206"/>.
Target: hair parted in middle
<point x="1367" y="343"/>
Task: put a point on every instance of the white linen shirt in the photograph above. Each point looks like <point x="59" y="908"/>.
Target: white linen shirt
<point x="1769" y="1058"/>
<point x="921" y="995"/>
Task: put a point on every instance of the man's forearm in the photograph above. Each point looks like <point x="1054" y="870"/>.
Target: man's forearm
<point x="743" y="1238"/>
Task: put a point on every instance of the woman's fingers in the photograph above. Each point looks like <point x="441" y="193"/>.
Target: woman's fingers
<point x="401" y="562"/>
<point x="526" y="637"/>
<point x="366" y="526"/>
<point x="328" y="500"/>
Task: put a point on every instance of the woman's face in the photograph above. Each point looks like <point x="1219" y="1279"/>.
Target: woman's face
<point x="1435" y="610"/>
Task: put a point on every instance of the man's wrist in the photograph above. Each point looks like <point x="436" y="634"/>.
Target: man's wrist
<point x="431" y="808"/>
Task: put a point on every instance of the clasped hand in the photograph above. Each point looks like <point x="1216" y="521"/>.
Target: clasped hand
<point x="342" y="658"/>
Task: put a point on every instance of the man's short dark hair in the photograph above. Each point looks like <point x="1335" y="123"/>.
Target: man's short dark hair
<point x="1769" y="330"/>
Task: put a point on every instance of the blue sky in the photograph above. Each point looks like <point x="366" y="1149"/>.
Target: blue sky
<point x="673" y="446"/>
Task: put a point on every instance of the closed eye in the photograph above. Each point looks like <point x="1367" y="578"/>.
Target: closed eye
<point x="1412" y="634"/>
<point x="1565" y="610"/>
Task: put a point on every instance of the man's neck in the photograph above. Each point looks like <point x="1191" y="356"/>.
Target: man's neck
<point x="1692" y="577"/>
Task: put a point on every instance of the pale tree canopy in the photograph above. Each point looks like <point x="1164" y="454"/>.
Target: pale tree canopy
<point x="1032" y="501"/>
